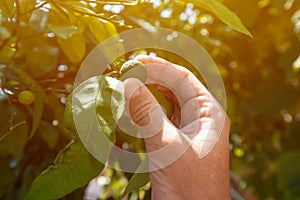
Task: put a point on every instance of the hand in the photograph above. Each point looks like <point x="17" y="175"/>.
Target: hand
<point x="188" y="154"/>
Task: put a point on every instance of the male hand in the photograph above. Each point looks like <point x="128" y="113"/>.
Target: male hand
<point x="188" y="154"/>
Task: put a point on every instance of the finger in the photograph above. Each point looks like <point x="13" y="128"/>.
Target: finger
<point x="186" y="87"/>
<point x="164" y="142"/>
<point x="173" y="76"/>
<point x="146" y="113"/>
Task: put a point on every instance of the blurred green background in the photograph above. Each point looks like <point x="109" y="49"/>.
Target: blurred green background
<point x="43" y="43"/>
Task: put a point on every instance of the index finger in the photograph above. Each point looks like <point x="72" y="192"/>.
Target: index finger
<point x="189" y="91"/>
<point x="176" y="78"/>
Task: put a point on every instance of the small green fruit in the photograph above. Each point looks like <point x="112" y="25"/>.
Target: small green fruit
<point x="133" y="69"/>
<point x="26" y="97"/>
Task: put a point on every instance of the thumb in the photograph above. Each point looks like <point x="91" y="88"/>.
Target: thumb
<point x="164" y="142"/>
<point x="143" y="108"/>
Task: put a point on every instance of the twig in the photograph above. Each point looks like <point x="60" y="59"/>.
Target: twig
<point x="11" y="129"/>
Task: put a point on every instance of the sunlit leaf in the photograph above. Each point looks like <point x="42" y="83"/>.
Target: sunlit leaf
<point x="6" y="7"/>
<point x="110" y="104"/>
<point x="73" y="48"/>
<point x="38" y="20"/>
<point x="25" y="7"/>
<point x="223" y="13"/>
<point x="81" y="7"/>
<point x="143" y="24"/>
<point x="6" y="54"/>
<point x="65" y="32"/>
<point x="93" y="110"/>
<point x="73" y="168"/>
<point x="102" y="30"/>
<point x="61" y="25"/>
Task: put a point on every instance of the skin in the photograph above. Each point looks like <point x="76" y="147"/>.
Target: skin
<point x="201" y="170"/>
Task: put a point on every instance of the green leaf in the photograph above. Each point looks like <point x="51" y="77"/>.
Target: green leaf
<point x="38" y="108"/>
<point x="73" y="168"/>
<point x="224" y="14"/>
<point x="65" y="32"/>
<point x="61" y="25"/>
<point x="73" y="48"/>
<point x="95" y="127"/>
<point x="68" y="120"/>
<point x="102" y="30"/>
<point x="47" y="60"/>
<point x="49" y="134"/>
<point x="110" y="105"/>
<point x="13" y="138"/>
<point x="138" y="180"/>
<point x="7" y="177"/>
<point x="288" y="171"/>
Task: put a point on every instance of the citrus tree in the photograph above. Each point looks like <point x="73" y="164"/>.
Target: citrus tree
<point x="43" y="44"/>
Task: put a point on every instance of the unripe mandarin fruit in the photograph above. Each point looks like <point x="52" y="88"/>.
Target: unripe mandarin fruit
<point x="26" y="97"/>
<point x="136" y="69"/>
<point x="133" y="69"/>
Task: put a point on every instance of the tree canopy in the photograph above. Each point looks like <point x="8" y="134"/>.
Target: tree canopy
<point x="255" y="44"/>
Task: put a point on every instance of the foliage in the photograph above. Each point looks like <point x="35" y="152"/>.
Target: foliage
<point x="43" y="43"/>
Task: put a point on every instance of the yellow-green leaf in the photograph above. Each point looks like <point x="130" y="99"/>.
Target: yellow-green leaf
<point x="224" y="14"/>
<point x="59" y="24"/>
<point x="25" y="7"/>
<point x="6" y="8"/>
<point x="73" y="48"/>
<point x="38" y="108"/>
<point x="102" y="30"/>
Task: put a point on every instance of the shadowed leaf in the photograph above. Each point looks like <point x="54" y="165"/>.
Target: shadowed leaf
<point x="73" y="168"/>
